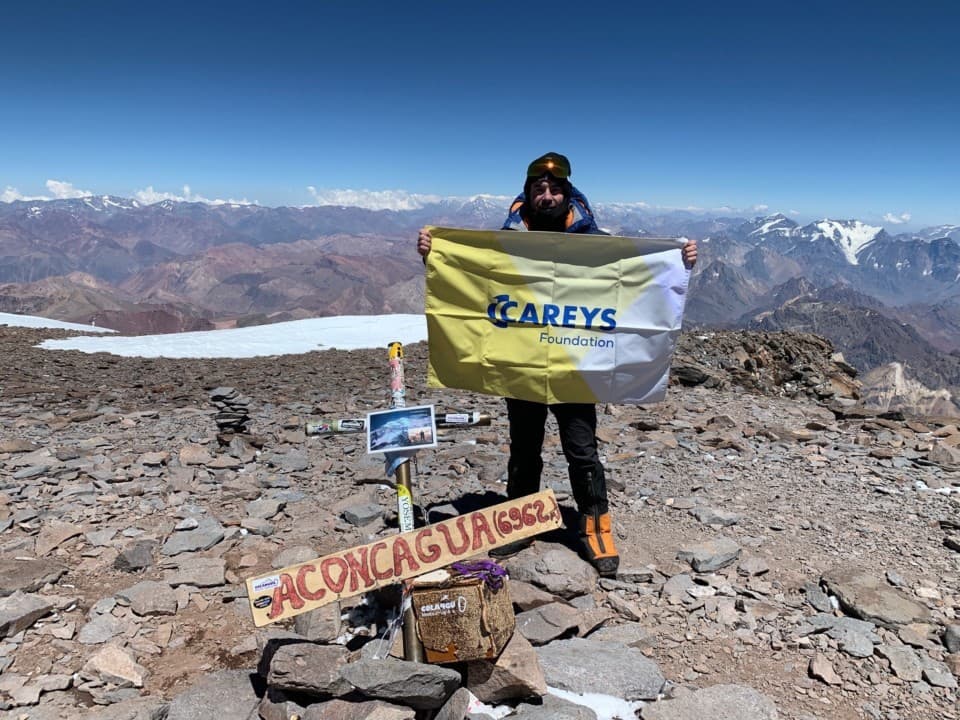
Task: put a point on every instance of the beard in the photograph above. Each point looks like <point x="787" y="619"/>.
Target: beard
<point x="550" y="219"/>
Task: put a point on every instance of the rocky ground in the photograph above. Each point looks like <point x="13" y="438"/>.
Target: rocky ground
<point x="785" y="554"/>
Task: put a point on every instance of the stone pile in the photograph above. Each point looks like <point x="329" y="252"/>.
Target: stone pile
<point x="787" y="364"/>
<point x="570" y="636"/>
<point x="233" y="411"/>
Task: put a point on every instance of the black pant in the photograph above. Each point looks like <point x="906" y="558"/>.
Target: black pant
<point x="578" y="437"/>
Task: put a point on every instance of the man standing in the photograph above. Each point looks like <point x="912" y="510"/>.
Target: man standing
<point x="549" y="202"/>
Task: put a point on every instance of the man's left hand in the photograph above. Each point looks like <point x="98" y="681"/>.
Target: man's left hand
<point x="689" y="252"/>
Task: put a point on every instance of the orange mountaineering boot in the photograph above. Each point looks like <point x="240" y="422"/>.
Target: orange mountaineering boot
<point x="596" y="534"/>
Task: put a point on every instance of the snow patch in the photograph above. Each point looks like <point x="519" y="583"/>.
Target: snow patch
<point x="346" y="332"/>
<point x="777" y="224"/>
<point x="850" y="236"/>
<point x="936" y="232"/>
<point x="107" y="200"/>
<point x="607" y="707"/>
<point x="31" y="321"/>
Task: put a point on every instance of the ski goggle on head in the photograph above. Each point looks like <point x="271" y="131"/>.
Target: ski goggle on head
<point x="553" y="163"/>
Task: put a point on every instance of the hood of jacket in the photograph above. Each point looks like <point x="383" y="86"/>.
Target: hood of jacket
<point x="579" y="217"/>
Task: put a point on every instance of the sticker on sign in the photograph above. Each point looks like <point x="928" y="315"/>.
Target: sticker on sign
<point x="265" y="583"/>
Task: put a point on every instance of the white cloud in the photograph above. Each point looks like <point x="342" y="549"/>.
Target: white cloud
<point x="494" y="198"/>
<point x="372" y="199"/>
<point x="794" y="212"/>
<point x="149" y="196"/>
<point x="639" y="205"/>
<point x="59" y="190"/>
<point x="11" y="194"/>
<point x="618" y="206"/>
<point x="897" y="219"/>
<point x="65" y="191"/>
<point x="694" y="209"/>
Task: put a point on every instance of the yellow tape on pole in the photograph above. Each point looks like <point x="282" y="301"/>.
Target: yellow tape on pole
<point x="303" y="587"/>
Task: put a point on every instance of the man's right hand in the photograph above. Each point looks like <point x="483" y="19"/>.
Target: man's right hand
<point x="424" y="242"/>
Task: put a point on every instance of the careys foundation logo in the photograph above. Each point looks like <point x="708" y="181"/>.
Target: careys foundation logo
<point x="503" y="312"/>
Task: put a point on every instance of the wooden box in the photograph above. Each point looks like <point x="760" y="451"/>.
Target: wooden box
<point x="462" y="619"/>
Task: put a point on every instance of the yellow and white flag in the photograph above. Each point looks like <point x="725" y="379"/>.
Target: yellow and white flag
<point x="554" y="317"/>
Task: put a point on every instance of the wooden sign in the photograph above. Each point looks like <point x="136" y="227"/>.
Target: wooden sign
<point x="305" y="586"/>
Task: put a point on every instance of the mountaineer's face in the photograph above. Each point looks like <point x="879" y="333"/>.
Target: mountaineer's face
<point x="546" y="194"/>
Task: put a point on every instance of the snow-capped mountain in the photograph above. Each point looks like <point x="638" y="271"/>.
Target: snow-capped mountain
<point x="74" y="206"/>
<point x="848" y="237"/>
<point x="479" y="211"/>
<point x="777" y="225"/>
<point x="174" y="265"/>
<point x="109" y="203"/>
<point x="851" y="236"/>
<point x="222" y="256"/>
<point x="939" y="231"/>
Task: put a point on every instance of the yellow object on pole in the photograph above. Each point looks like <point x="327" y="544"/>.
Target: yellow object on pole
<point x="412" y="648"/>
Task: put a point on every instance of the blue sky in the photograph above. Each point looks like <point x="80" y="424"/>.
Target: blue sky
<point x="820" y="108"/>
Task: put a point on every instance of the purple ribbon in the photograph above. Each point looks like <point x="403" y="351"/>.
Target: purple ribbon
<point x="488" y="571"/>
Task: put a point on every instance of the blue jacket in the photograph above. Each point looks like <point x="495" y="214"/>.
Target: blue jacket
<point x="579" y="218"/>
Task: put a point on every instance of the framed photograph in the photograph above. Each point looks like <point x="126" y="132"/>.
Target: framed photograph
<point x="409" y="428"/>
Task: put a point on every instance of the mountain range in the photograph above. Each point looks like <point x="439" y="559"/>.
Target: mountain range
<point x="881" y="298"/>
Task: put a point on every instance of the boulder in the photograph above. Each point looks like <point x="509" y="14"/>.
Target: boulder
<point x="224" y="694"/>
<point x="870" y="598"/>
<point x="555" y="568"/>
<point x="515" y="675"/>
<point x="310" y="669"/>
<point x="21" y="610"/>
<point x="424" y="687"/>
<point x="583" y="665"/>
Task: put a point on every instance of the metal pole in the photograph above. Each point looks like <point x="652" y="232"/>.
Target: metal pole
<point x="412" y="648"/>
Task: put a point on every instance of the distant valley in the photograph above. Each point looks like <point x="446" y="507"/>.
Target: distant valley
<point x="890" y="303"/>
